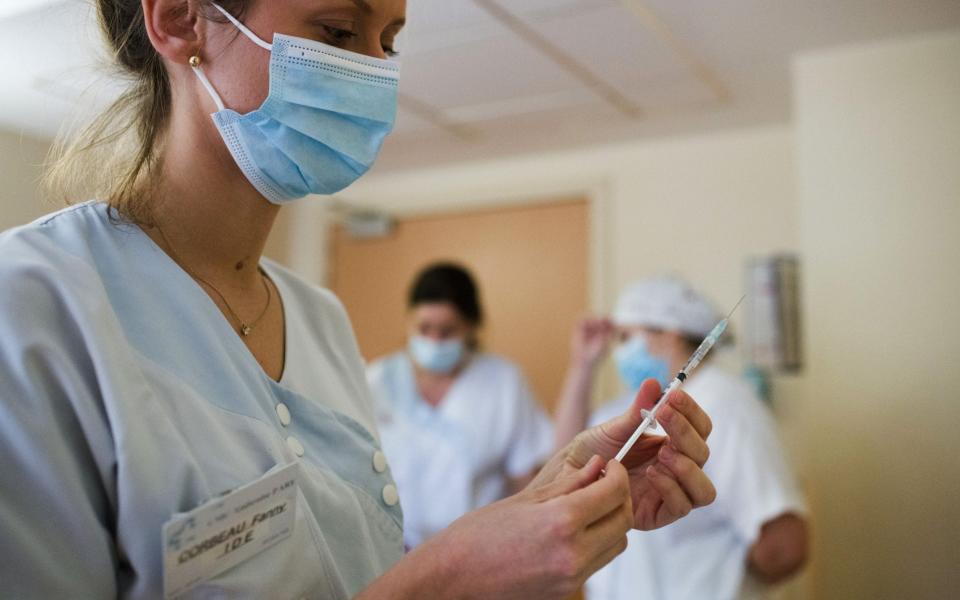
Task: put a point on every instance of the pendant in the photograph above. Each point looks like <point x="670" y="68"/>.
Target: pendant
<point x="244" y="329"/>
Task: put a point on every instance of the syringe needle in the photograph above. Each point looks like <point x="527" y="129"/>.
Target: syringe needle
<point x="736" y="306"/>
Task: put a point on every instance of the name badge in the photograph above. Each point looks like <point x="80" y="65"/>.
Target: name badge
<point x="228" y="530"/>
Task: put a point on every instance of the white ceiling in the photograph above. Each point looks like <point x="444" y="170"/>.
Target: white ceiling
<point x="488" y="78"/>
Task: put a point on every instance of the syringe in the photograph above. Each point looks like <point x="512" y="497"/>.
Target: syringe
<point x="650" y="416"/>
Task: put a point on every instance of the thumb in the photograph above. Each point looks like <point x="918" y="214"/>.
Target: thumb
<point x="646" y="397"/>
<point x="566" y="484"/>
<point x="622" y="427"/>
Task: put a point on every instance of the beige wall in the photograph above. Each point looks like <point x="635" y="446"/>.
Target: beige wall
<point x="878" y="131"/>
<point x="20" y="170"/>
<point x="697" y="206"/>
<point x="663" y="205"/>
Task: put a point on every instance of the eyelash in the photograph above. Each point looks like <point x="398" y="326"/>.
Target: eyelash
<point x="339" y="34"/>
<point x="342" y="35"/>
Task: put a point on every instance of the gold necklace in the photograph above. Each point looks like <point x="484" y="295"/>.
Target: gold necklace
<point x="245" y="328"/>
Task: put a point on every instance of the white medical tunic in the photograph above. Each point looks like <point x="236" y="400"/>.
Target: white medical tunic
<point x="127" y="398"/>
<point x="704" y="555"/>
<point x="457" y="456"/>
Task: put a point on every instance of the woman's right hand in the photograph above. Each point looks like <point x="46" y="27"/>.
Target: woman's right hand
<point x="590" y="342"/>
<point x="542" y="543"/>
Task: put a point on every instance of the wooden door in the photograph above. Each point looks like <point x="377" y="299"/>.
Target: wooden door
<point x="530" y="262"/>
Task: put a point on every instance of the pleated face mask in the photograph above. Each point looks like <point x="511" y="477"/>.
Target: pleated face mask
<point x="323" y="122"/>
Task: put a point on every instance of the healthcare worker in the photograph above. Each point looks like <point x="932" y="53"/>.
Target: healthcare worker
<point x="459" y="425"/>
<point x="179" y="417"/>
<point x="755" y="533"/>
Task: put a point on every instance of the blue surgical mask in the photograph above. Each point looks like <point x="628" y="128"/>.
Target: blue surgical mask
<point x="635" y="363"/>
<point x="436" y="356"/>
<point x="322" y="124"/>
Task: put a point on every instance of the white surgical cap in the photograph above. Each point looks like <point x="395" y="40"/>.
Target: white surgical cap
<point x="666" y="303"/>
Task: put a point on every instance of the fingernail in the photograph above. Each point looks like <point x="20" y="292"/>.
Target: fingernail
<point x="659" y="471"/>
<point x="590" y="463"/>
<point x="666" y="415"/>
<point x="667" y="454"/>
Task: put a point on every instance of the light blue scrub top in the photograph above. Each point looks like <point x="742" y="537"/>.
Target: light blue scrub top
<point x="126" y="397"/>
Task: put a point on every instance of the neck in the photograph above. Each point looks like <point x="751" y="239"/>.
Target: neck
<point x="212" y="220"/>
<point x="430" y="378"/>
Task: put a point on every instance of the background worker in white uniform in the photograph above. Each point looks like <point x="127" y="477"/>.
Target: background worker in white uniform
<point x="154" y="370"/>
<point x="460" y="426"/>
<point x="755" y="533"/>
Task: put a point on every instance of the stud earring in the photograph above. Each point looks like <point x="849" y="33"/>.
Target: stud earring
<point x="195" y="61"/>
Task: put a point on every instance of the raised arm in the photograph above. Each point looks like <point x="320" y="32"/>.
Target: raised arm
<point x="588" y="346"/>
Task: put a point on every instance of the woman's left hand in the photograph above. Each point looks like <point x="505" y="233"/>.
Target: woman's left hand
<point x="666" y="473"/>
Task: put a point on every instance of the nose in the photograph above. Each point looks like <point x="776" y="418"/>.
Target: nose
<point x="373" y="49"/>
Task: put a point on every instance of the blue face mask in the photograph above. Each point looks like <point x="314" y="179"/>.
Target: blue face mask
<point x="322" y="124"/>
<point x="635" y="363"/>
<point x="434" y="356"/>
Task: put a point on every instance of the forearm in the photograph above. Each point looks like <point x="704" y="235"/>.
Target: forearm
<point x="429" y="571"/>
<point x="573" y="406"/>
<point x="781" y="550"/>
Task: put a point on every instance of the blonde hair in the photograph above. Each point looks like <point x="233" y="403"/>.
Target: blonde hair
<point x="115" y="158"/>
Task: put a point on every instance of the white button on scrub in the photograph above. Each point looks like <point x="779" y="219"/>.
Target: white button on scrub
<point x="295" y="446"/>
<point x="390" y="496"/>
<point x="379" y="462"/>
<point x="284" y="413"/>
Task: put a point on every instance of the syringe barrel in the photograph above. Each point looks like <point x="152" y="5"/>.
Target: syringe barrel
<point x="697" y="357"/>
<point x="705" y="346"/>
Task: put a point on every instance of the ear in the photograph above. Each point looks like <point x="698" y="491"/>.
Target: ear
<point x="174" y="27"/>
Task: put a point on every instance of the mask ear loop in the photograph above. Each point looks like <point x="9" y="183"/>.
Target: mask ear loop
<point x="195" y="65"/>
<point x="195" y="60"/>
<point x="243" y="28"/>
